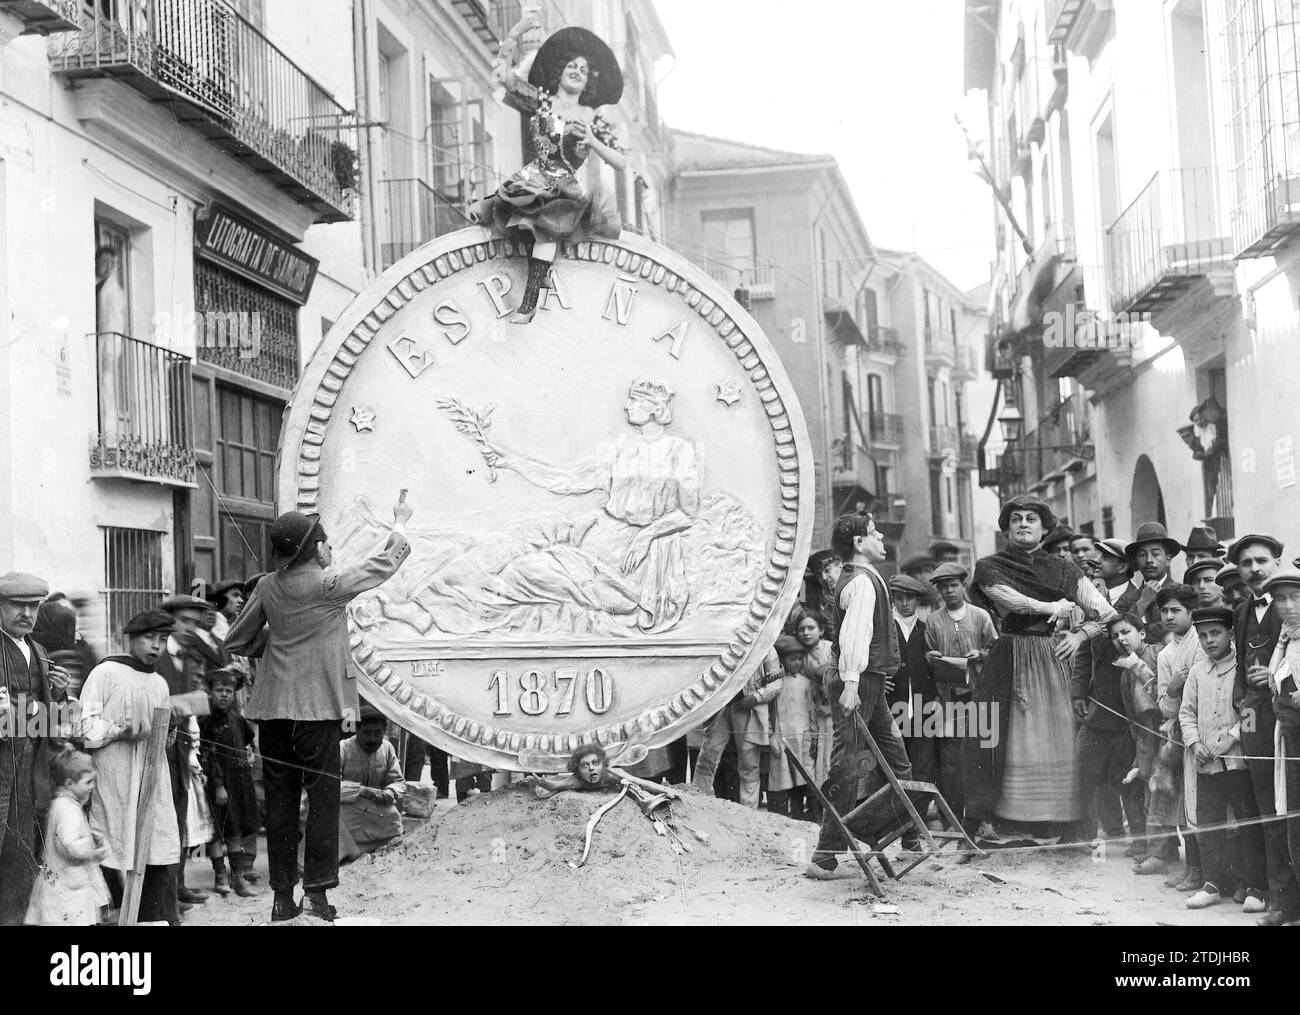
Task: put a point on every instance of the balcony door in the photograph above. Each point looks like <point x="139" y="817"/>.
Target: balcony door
<point x="729" y="246"/>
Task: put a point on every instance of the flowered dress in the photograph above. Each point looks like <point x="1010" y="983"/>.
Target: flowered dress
<point x="545" y="200"/>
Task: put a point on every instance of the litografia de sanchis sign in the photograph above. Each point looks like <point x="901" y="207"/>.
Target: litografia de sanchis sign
<point x="613" y="502"/>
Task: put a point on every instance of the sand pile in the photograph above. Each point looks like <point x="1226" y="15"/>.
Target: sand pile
<point x="504" y="857"/>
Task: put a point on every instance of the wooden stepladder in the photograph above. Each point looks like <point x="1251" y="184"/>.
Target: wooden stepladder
<point x="154" y="761"/>
<point x="899" y="787"/>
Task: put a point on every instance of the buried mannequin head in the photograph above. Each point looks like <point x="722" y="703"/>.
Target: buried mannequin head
<point x="588" y="764"/>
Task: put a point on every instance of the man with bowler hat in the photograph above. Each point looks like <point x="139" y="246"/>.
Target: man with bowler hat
<point x="304" y="692"/>
<point x="31" y="684"/>
<point x="1202" y="544"/>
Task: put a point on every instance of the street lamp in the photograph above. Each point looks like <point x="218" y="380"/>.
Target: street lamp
<point x="1012" y="421"/>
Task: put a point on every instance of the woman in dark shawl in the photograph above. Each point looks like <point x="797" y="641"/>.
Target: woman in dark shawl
<point x="1028" y="775"/>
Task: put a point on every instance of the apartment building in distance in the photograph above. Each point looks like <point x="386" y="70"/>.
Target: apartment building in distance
<point x="1144" y="345"/>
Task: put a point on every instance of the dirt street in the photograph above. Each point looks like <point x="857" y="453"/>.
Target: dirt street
<point x="503" y="858"/>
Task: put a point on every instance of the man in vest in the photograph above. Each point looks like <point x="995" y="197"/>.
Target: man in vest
<point x="1256" y="629"/>
<point x="867" y="652"/>
<point x="30" y="683"/>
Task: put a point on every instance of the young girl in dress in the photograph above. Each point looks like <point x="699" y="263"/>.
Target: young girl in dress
<point x="71" y="888"/>
<point x="804" y="714"/>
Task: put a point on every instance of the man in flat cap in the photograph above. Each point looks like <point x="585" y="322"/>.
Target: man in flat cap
<point x="184" y="664"/>
<point x="305" y="692"/>
<point x="945" y="552"/>
<point x="958" y="637"/>
<point x="1284" y="681"/>
<point x="1201" y="576"/>
<point x="1057" y="542"/>
<point x="1234" y="589"/>
<point x="118" y="702"/>
<point x="370" y="812"/>
<point x="1257" y="628"/>
<point x="912" y="687"/>
<point x="1113" y="568"/>
<point x="31" y="684"/>
<point x="1212" y="727"/>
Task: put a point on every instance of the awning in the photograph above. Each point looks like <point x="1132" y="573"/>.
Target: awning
<point x="844" y="328"/>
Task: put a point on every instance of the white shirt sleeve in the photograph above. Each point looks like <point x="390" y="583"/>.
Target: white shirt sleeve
<point x="858" y="601"/>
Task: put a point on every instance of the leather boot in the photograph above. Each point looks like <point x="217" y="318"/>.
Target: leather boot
<point x="220" y="879"/>
<point x="1194" y="881"/>
<point x="537" y="274"/>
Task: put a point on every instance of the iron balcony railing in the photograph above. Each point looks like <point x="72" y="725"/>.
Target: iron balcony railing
<point x="1167" y="238"/>
<point x="944" y="440"/>
<point x="969" y="451"/>
<point x="1059" y="442"/>
<point x="758" y="275"/>
<point x="43" y="17"/>
<point x="884" y="427"/>
<point x="881" y="339"/>
<point x="1261" y="49"/>
<point x="940" y="344"/>
<point x="414" y="214"/>
<point x="228" y="81"/>
<point x="145" y="429"/>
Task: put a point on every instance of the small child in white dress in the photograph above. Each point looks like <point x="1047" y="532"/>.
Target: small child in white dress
<point x="70" y="889"/>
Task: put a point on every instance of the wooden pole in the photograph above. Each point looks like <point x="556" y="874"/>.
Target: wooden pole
<point x="154" y="761"/>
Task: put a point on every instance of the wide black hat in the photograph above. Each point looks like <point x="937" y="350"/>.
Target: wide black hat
<point x="605" y="86"/>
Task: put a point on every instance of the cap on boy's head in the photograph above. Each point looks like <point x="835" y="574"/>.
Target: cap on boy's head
<point x="942" y="546"/>
<point x="1116" y="548"/>
<point x="1283" y="576"/>
<point x="906" y="585"/>
<point x="948" y="571"/>
<point x="1212" y="567"/>
<point x="1212" y="615"/>
<point x="177" y="603"/>
<point x="1228" y="575"/>
<point x="371" y="714"/>
<point x="1132" y="619"/>
<point x="915" y="565"/>
<point x="148" y="622"/>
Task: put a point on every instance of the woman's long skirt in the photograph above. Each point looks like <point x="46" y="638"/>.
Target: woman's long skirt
<point x="1040" y="781"/>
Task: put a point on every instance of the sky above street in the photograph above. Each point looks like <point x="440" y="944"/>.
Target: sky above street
<point x="874" y="83"/>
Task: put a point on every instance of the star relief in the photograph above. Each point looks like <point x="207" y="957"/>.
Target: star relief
<point x="728" y="394"/>
<point x="363" y="419"/>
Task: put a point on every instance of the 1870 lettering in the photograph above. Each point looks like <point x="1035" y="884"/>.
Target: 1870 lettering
<point x="536" y="692"/>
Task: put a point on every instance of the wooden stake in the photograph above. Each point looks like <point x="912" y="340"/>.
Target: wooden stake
<point x="154" y="760"/>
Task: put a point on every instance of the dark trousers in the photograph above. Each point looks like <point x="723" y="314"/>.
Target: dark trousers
<point x="1213" y="794"/>
<point x="157" y="894"/>
<point x="1292" y="747"/>
<point x="413" y="767"/>
<point x="923" y="754"/>
<point x="852" y="758"/>
<point x="1105" y="758"/>
<point x="1282" y="889"/>
<point x="298" y="755"/>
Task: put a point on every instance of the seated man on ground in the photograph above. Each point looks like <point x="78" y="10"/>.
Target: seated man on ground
<point x="371" y="794"/>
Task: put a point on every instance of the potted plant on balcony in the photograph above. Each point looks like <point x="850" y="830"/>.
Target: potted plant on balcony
<point x="344" y="162"/>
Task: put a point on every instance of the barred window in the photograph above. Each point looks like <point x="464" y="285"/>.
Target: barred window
<point x="270" y="322"/>
<point x="133" y="577"/>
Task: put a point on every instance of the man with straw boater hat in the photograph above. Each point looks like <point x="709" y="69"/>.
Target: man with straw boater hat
<point x="304" y="693"/>
<point x="31" y="684"/>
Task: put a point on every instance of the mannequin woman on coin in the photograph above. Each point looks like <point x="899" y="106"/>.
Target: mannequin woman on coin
<point x="571" y="77"/>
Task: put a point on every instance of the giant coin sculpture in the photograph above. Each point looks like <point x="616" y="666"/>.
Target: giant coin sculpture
<point x="613" y="501"/>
